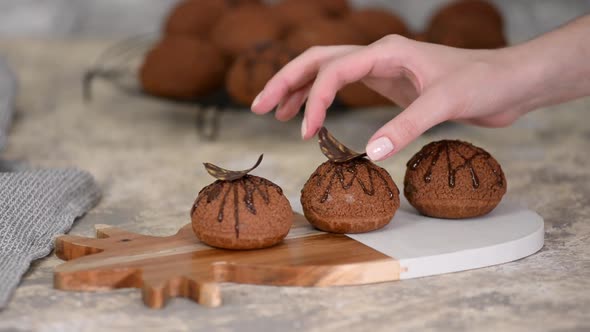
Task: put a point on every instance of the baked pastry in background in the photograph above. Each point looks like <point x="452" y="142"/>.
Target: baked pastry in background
<point x="250" y="71"/>
<point x="237" y="28"/>
<point x="294" y="13"/>
<point x="357" y="94"/>
<point x="473" y="24"/>
<point x="420" y="36"/>
<point x="246" y="27"/>
<point x="182" y="67"/>
<point x="240" y="211"/>
<point x="454" y="179"/>
<point x="197" y="17"/>
<point x="324" y="32"/>
<point x="348" y="193"/>
<point x="376" y="24"/>
<point x="335" y="8"/>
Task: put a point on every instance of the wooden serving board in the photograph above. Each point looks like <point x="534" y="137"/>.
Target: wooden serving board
<point x="180" y="266"/>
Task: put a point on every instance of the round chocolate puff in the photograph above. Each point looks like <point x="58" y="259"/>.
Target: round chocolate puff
<point x="454" y="180"/>
<point x="473" y="24"/>
<point x="182" y="67"/>
<point x="241" y="211"/>
<point x="348" y="193"/>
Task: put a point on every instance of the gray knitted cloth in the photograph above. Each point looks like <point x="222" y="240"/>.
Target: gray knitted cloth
<point x="35" y="205"/>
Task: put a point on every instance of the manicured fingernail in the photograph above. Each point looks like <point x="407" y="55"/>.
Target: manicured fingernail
<point x="257" y="99"/>
<point x="379" y="148"/>
<point x="303" y="127"/>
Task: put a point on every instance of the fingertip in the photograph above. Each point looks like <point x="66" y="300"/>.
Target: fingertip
<point x="316" y="108"/>
<point x="304" y="128"/>
<point x="261" y="104"/>
<point x="268" y="98"/>
<point x="380" y="148"/>
<point x="308" y="129"/>
<point x="256" y="103"/>
<point x="308" y="132"/>
<point x="308" y="125"/>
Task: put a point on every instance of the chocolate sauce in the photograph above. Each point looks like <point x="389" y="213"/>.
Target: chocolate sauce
<point x="436" y="149"/>
<point x="250" y="186"/>
<point x="338" y="171"/>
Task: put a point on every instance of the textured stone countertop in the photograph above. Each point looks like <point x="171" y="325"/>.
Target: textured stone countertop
<point x="147" y="157"/>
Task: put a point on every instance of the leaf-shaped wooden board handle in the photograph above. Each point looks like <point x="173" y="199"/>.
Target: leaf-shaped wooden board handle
<point x="334" y="150"/>
<point x="227" y="175"/>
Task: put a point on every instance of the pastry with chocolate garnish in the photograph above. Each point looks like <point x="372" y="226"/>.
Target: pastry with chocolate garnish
<point x="182" y="67"/>
<point x="376" y="24"/>
<point x="348" y="193"/>
<point x="196" y="17"/>
<point x="473" y="24"/>
<point x="454" y="180"/>
<point x="324" y="32"/>
<point x="294" y="13"/>
<point x="246" y="27"/>
<point x="357" y="94"/>
<point x="249" y="73"/>
<point x="241" y="211"/>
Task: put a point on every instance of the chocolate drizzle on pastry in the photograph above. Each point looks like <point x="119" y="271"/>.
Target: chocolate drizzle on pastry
<point x="446" y="147"/>
<point x="229" y="192"/>
<point x="346" y="163"/>
<point x="337" y="174"/>
<point x="228" y="188"/>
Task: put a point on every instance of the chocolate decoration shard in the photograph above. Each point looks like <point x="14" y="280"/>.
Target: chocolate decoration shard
<point x="334" y="150"/>
<point x="227" y="175"/>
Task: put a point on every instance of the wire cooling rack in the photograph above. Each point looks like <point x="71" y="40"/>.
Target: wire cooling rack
<point x="118" y="65"/>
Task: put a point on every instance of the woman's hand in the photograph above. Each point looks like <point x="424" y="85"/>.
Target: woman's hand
<point x="432" y="83"/>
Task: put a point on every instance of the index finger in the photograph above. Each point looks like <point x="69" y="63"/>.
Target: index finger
<point x="296" y="74"/>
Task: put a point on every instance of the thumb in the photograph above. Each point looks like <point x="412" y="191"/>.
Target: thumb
<point x="425" y="112"/>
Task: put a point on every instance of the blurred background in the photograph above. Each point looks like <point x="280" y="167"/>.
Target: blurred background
<point x="110" y="18"/>
<point x="220" y="53"/>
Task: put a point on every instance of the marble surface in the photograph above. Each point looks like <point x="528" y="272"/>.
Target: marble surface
<point x="147" y="157"/>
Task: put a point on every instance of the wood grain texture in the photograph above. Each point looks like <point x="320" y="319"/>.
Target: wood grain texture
<point x="181" y="266"/>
